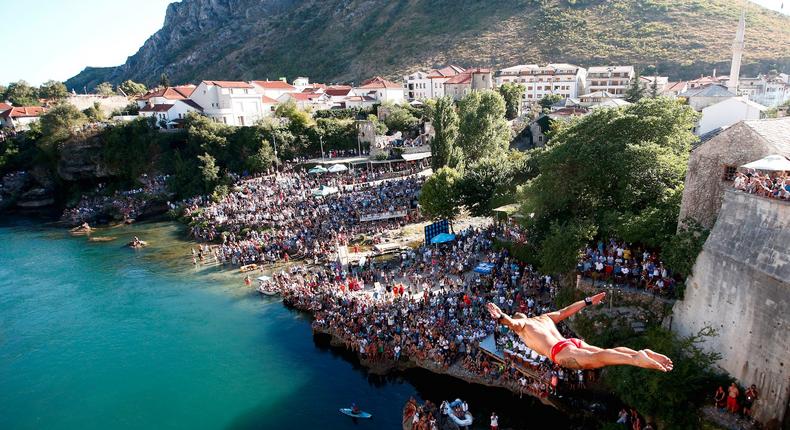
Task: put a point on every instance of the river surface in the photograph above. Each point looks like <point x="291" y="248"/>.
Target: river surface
<point x="94" y="335"/>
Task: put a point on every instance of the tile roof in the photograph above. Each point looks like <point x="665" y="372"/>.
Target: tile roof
<point x="268" y="100"/>
<point x="708" y="91"/>
<point x="379" y="82"/>
<point x="157" y="108"/>
<point x="338" y="90"/>
<point x="23" y="112"/>
<point x="446" y="72"/>
<point x="775" y="131"/>
<point x="304" y="96"/>
<point x="461" y="78"/>
<point x="193" y="104"/>
<point x="4" y="107"/>
<point x="229" y="84"/>
<point x="274" y="85"/>
<point x="170" y="93"/>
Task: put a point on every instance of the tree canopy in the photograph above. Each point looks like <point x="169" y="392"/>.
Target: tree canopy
<point x="53" y="90"/>
<point x="614" y="172"/>
<point x="439" y="197"/>
<point x="483" y="129"/>
<point x="104" y="89"/>
<point x="635" y="91"/>
<point x="443" y="145"/>
<point x="548" y="100"/>
<point x="132" y="88"/>
<point x="20" y="93"/>
<point x="513" y="94"/>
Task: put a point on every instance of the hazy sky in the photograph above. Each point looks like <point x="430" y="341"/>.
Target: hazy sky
<point x="56" y="39"/>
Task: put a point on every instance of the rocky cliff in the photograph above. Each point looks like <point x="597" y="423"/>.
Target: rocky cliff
<point x="349" y="40"/>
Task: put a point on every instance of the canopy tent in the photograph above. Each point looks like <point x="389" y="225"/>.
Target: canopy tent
<point x="485" y="268"/>
<point x="317" y="170"/>
<point x="415" y="156"/>
<point x="774" y="163"/>
<point x="442" y="238"/>
<point x="337" y="168"/>
<point x="324" y="191"/>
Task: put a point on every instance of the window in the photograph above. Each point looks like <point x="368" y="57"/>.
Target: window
<point x="729" y="173"/>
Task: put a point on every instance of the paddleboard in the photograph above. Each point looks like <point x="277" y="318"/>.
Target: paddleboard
<point x="361" y="414"/>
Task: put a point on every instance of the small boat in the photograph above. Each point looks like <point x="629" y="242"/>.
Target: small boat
<point x="102" y="239"/>
<point x="83" y="228"/>
<point x="454" y="411"/>
<point x="267" y="291"/>
<point x="248" y="268"/>
<point x="361" y="414"/>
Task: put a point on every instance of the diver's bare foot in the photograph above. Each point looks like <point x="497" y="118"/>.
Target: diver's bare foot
<point x="644" y="360"/>
<point x="660" y="358"/>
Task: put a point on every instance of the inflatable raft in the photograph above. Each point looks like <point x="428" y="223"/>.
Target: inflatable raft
<point x="450" y="410"/>
<point x="248" y="268"/>
<point x="361" y="414"/>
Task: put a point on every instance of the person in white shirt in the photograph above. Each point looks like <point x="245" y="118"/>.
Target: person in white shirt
<point x="494" y="421"/>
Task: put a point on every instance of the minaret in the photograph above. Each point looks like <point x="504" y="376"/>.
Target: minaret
<point x="737" y="53"/>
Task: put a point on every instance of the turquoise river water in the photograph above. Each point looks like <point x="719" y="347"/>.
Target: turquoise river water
<point x="94" y="335"/>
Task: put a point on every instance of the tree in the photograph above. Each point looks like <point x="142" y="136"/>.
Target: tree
<point x="401" y="119"/>
<point x="53" y="90"/>
<point x="104" y="89"/>
<point x="483" y="128"/>
<point x="58" y="123"/>
<point x="634" y="92"/>
<point x="262" y="160"/>
<point x="164" y="81"/>
<point x="616" y="171"/>
<point x="209" y="172"/>
<point x="445" y="124"/>
<point x="513" y="94"/>
<point x="132" y="88"/>
<point x="654" y="87"/>
<point x="439" y="197"/>
<point x="94" y="113"/>
<point x="20" y="93"/>
<point x="381" y="127"/>
<point x="492" y="181"/>
<point x="548" y="100"/>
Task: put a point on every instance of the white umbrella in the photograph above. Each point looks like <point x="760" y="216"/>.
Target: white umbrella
<point x="336" y="168"/>
<point x="772" y="162"/>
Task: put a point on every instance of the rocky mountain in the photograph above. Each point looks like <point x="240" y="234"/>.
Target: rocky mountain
<point x="350" y="40"/>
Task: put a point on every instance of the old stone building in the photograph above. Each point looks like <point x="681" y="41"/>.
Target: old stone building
<point x="740" y="286"/>
<point x="712" y="163"/>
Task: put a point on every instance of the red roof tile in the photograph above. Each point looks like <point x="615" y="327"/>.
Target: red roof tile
<point x="304" y="96"/>
<point x="268" y="100"/>
<point x="461" y="78"/>
<point x="157" y="108"/>
<point x="274" y="85"/>
<point x="229" y="84"/>
<point x="338" y="90"/>
<point x="23" y="112"/>
<point x="4" y="107"/>
<point x="379" y="82"/>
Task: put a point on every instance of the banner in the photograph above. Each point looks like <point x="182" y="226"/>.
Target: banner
<point x="381" y="216"/>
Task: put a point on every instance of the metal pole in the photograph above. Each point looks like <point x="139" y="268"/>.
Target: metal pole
<point x="321" y="141"/>
<point x="274" y="143"/>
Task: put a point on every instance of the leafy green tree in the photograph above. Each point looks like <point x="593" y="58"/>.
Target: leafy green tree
<point x="443" y="145"/>
<point x="401" y="119"/>
<point x="336" y="133"/>
<point x="209" y="171"/>
<point x="132" y="88"/>
<point x="94" y="113"/>
<point x="681" y="250"/>
<point x="610" y="166"/>
<point x="53" y="90"/>
<point x="205" y="134"/>
<point x="654" y="87"/>
<point x="164" y="81"/>
<point x="513" y="94"/>
<point x="669" y="398"/>
<point x="104" y="89"/>
<point x="635" y="91"/>
<point x="439" y="196"/>
<point x="20" y="93"/>
<point x="492" y="181"/>
<point x="483" y="129"/>
<point x="58" y="123"/>
<point x="548" y="100"/>
<point x="262" y="160"/>
<point x="381" y="127"/>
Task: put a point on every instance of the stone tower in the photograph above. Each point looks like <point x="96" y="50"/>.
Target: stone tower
<point x="737" y="53"/>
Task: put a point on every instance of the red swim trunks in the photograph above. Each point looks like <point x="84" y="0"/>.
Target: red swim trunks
<point x="559" y="346"/>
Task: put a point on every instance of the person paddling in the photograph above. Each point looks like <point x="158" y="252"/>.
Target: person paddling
<point x="540" y="334"/>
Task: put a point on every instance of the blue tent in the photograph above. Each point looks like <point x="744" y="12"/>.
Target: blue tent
<point x="485" y="268"/>
<point x="442" y="238"/>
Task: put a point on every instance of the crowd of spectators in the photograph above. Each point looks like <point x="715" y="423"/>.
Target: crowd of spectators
<point x="429" y="308"/>
<point x="775" y="185"/>
<point x="734" y="401"/>
<point x="623" y="264"/>
<point x="278" y="217"/>
<point x="102" y="205"/>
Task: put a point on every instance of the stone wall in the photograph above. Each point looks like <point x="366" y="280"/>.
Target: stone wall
<point x="704" y="189"/>
<point x="741" y="287"/>
<point x="106" y="103"/>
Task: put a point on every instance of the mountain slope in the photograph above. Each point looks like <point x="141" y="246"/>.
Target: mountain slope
<point x="350" y="40"/>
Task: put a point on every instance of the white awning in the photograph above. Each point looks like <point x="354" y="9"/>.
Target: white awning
<point x="416" y="156"/>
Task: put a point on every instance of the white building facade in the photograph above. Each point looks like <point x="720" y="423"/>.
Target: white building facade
<point x="615" y="80"/>
<point x="566" y="80"/>
<point x="727" y="113"/>
<point x="229" y="102"/>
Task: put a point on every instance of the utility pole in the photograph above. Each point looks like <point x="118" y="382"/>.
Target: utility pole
<point x="274" y="144"/>
<point x="321" y="141"/>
